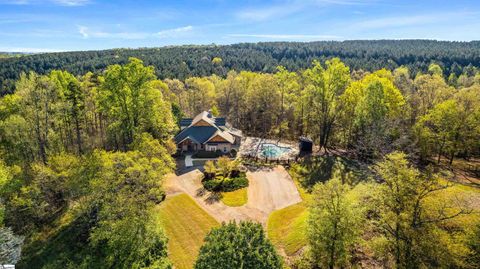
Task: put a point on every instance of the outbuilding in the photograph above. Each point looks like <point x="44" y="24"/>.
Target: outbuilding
<point x="305" y="144"/>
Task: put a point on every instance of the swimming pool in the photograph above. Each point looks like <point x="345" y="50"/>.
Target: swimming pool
<point x="272" y="150"/>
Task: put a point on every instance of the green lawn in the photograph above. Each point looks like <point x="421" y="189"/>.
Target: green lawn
<point x="186" y="225"/>
<point x="235" y="198"/>
<point x="287" y="228"/>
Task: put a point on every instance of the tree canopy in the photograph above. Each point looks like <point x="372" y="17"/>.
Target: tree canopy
<point x="242" y="245"/>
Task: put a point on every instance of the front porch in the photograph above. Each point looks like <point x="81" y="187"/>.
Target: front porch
<point x="192" y="147"/>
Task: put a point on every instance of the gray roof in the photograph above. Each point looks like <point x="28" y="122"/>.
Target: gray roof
<point x="201" y="134"/>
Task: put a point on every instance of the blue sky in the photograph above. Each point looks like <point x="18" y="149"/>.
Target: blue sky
<point x="64" y="25"/>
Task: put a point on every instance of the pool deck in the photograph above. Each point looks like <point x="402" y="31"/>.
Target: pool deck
<point x="251" y="146"/>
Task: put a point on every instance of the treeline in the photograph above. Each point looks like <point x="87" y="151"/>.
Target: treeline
<point x="366" y="113"/>
<point x="186" y="61"/>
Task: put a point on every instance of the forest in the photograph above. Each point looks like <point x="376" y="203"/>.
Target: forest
<point x="181" y="62"/>
<point x="86" y="141"/>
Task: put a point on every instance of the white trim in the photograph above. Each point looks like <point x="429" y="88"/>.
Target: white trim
<point x="188" y="137"/>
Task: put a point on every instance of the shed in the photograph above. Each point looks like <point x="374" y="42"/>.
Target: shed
<point x="305" y="144"/>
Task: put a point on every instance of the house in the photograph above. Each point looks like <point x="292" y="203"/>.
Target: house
<point x="208" y="133"/>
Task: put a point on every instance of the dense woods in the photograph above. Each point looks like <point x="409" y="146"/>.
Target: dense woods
<point x="84" y="153"/>
<point x="90" y="152"/>
<point x="367" y="113"/>
<point x="186" y="61"/>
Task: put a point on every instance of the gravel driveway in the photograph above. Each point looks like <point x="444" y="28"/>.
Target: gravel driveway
<point x="269" y="190"/>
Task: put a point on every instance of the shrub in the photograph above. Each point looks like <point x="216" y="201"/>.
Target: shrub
<point x="232" y="184"/>
<point x="224" y="166"/>
<point x="210" y="170"/>
<point x="220" y="184"/>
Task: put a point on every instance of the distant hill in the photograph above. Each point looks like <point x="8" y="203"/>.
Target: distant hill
<point x="11" y="54"/>
<point x="184" y="61"/>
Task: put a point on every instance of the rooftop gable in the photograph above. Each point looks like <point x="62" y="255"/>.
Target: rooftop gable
<point x="204" y="127"/>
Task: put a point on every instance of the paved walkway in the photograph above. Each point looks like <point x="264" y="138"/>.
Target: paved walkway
<point x="188" y="160"/>
<point x="269" y="190"/>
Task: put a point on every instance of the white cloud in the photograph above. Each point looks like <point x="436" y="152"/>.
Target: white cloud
<point x="411" y="20"/>
<point x="396" y="21"/>
<point x="261" y="14"/>
<point x="86" y="32"/>
<point x="83" y="30"/>
<point x="287" y="36"/>
<point x="290" y="7"/>
<point x="175" y="32"/>
<point x="71" y="3"/>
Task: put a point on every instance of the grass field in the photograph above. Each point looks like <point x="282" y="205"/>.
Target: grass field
<point x="186" y="225"/>
<point x="287" y="228"/>
<point x="235" y="198"/>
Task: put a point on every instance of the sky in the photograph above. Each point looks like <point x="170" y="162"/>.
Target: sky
<point x="68" y="25"/>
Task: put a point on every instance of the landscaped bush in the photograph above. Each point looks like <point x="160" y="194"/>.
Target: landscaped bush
<point x="224" y="175"/>
<point x="210" y="170"/>
<point x="220" y="184"/>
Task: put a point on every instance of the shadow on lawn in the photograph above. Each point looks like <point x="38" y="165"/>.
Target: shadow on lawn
<point x="322" y="168"/>
<point x="211" y="197"/>
<point x="64" y="249"/>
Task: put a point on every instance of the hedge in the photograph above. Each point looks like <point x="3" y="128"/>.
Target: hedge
<point x="227" y="184"/>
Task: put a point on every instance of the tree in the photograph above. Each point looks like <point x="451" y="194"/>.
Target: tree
<point x="38" y="96"/>
<point x="372" y="107"/>
<point x="289" y="90"/>
<point x="132" y="105"/>
<point x="73" y="102"/>
<point x="200" y="94"/>
<point x="408" y="220"/>
<point x="402" y="80"/>
<point x="242" y="245"/>
<point x="224" y="166"/>
<point x="435" y="69"/>
<point x="324" y="87"/>
<point x="334" y="224"/>
<point x="217" y="61"/>
<point x="124" y="191"/>
<point x="210" y="169"/>
<point x="214" y="111"/>
<point x="440" y="129"/>
<point x="430" y="90"/>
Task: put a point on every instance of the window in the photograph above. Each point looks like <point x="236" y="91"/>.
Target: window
<point x="224" y="149"/>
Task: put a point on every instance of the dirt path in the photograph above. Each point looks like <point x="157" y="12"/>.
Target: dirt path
<point x="269" y="190"/>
